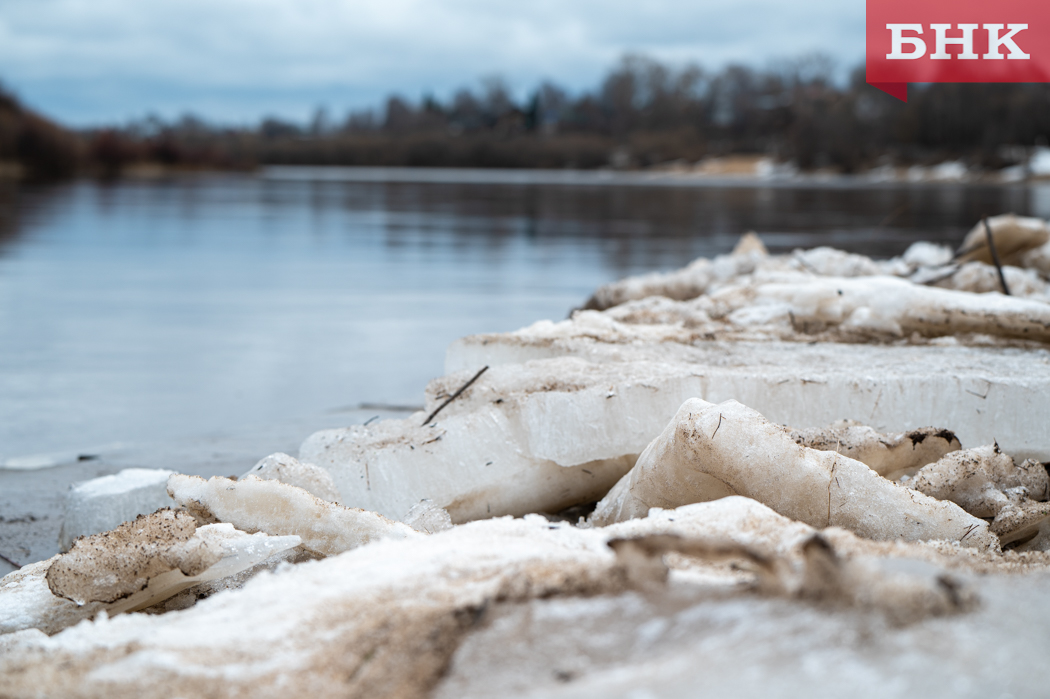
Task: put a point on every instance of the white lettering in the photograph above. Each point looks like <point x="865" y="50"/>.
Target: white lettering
<point x="995" y="42"/>
<point x="966" y="41"/>
<point x="899" y="40"/>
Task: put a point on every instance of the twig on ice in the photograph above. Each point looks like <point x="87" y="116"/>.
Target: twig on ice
<point x="995" y="256"/>
<point x="455" y="395"/>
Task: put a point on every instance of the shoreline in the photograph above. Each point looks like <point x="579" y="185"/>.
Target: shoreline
<point x="654" y="176"/>
<point x="726" y="455"/>
<point x="32" y="500"/>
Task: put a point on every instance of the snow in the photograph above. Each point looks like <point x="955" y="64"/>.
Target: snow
<point x="385" y="618"/>
<point x="923" y="254"/>
<point x="637" y="646"/>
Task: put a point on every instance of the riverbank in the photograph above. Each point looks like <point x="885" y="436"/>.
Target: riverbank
<point x="33" y="488"/>
<point x="727" y="171"/>
<point x="612" y="500"/>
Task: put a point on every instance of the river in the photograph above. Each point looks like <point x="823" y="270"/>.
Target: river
<point x="178" y="308"/>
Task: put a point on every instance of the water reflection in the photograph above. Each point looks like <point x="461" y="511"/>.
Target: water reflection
<point x="643" y="227"/>
<point x="22" y="206"/>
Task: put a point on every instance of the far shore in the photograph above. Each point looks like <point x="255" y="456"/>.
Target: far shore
<point x="733" y="171"/>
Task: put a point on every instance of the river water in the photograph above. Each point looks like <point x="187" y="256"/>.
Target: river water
<point x="168" y="310"/>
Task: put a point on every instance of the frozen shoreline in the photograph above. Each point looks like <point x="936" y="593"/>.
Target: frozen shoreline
<point x="32" y="500"/>
<point x="719" y="532"/>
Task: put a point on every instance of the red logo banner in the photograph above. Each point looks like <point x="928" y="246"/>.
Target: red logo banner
<point x="956" y="41"/>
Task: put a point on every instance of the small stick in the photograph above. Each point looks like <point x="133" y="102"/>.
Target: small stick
<point x="995" y="256"/>
<point x="8" y="560"/>
<point x="455" y="395"/>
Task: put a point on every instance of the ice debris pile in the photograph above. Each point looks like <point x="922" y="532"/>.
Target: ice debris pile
<point x="777" y="457"/>
<point x="1022" y="244"/>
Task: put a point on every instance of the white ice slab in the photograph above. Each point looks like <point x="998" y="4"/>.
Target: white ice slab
<point x="983" y="394"/>
<point x="104" y="503"/>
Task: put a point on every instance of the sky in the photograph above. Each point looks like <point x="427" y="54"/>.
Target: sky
<point x="93" y="62"/>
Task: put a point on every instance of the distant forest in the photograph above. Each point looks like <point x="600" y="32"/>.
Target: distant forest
<point x="644" y="113"/>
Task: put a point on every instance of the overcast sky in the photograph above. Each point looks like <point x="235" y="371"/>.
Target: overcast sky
<point x="97" y="61"/>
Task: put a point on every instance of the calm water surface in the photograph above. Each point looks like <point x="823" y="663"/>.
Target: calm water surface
<point x="141" y="311"/>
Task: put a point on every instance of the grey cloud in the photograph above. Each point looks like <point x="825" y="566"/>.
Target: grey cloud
<point x="243" y="57"/>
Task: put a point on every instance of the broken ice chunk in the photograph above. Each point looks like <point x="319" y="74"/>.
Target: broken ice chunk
<point x="925" y="254"/>
<point x="889" y="455"/>
<point x="1013" y="236"/>
<point x="254" y="505"/>
<point x="983" y="480"/>
<point x="116" y="564"/>
<point x="238" y="552"/>
<point x="537" y="437"/>
<point x="686" y="283"/>
<point x="905" y="590"/>
<point x="711" y="451"/>
<point x="384" y="619"/>
<point x="749" y="244"/>
<point x="1024" y="526"/>
<point x="827" y="302"/>
<point x="133" y="567"/>
<point x="981" y="278"/>
<point x="428" y="518"/>
<point x="988" y="483"/>
<point x="892" y="388"/>
<point x="102" y="504"/>
<point x="26" y="602"/>
<point x="834" y="567"/>
<point x="288" y="469"/>
<point x="732" y="520"/>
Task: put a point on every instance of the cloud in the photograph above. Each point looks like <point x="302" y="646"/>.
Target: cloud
<point x="92" y="60"/>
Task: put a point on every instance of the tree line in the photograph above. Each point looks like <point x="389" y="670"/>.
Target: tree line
<point x="643" y="113"/>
